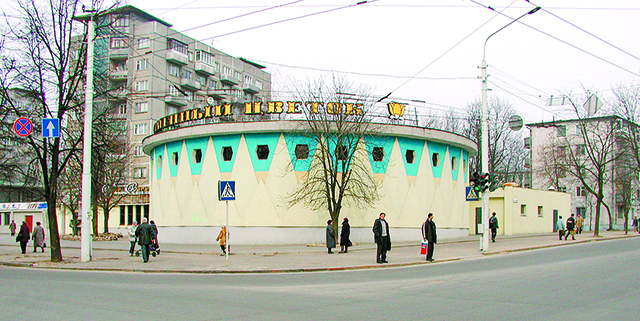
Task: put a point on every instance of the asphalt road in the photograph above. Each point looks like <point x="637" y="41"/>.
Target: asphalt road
<point x="591" y="281"/>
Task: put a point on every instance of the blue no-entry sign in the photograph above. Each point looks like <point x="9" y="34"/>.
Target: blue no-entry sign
<point x="50" y="127"/>
<point x="227" y="190"/>
<point x="22" y="127"/>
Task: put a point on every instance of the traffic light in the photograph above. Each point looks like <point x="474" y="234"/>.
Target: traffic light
<point x="485" y="181"/>
<point x="475" y="182"/>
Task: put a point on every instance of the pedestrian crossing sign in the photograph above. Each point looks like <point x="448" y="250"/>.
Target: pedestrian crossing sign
<point x="227" y="190"/>
<point x="472" y="195"/>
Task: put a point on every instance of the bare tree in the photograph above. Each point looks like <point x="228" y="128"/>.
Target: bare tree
<point x="338" y="175"/>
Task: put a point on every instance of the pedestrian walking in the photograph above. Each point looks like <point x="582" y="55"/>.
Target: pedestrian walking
<point x="155" y="236"/>
<point x="429" y="235"/>
<point x="12" y="228"/>
<point x="579" y="224"/>
<point x="23" y="237"/>
<point x="38" y="237"/>
<point x="145" y="234"/>
<point x="132" y="237"/>
<point x="330" y="236"/>
<point x="493" y="226"/>
<point x="222" y="240"/>
<point x="344" y="236"/>
<point x="634" y="224"/>
<point x="382" y="238"/>
<point x="560" y="227"/>
<point x="571" y="223"/>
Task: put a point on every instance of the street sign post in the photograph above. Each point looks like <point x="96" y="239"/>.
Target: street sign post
<point x="226" y="193"/>
<point x="50" y="127"/>
<point x="22" y="127"/>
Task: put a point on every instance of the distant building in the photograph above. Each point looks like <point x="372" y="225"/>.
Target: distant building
<point x="553" y="142"/>
<point x="156" y="71"/>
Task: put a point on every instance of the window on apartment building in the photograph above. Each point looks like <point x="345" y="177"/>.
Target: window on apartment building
<point x="122" y="109"/>
<point x="454" y="163"/>
<point x="140" y="129"/>
<point x="202" y="80"/>
<point x="187" y="74"/>
<point x="262" y="151"/>
<point x="523" y="210"/>
<point x="139" y="172"/>
<point x="248" y="80"/>
<point x="119" y="65"/>
<point x="226" y="70"/>
<point x="435" y="160"/>
<point x="342" y="152"/>
<point x="142" y="85"/>
<point x="116" y="43"/>
<point x="142" y="64"/>
<point x="302" y="151"/>
<point x="581" y="211"/>
<point x="213" y="84"/>
<point x="137" y="151"/>
<point x="181" y="47"/>
<point x="562" y="189"/>
<point x="581" y="191"/>
<point x="236" y="74"/>
<point x="259" y="84"/>
<point x="561" y="172"/>
<point x="143" y="43"/>
<point x="189" y="96"/>
<point x="227" y="153"/>
<point x="190" y="55"/>
<point x="410" y="156"/>
<point x="562" y="131"/>
<point x="540" y="211"/>
<point x="581" y="149"/>
<point x="377" y="154"/>
<point x="173" y="70"/>
<point x="120" y="20"/>
<point x="561" y="151"/>
<point x="205" y="57"/>
<point x="173" y="91"/>
<point x="141" y="107"/>
<point x="174" y="159"/>
<point x="197" y="156"/>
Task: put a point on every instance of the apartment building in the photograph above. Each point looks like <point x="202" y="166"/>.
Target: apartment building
<point x="153" y="71"/>
<point x="559" y="147"/>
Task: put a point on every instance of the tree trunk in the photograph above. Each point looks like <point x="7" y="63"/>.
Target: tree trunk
<point x="596" y="226"/>
<point x="94" y="221"/>
<point x="105" y="213"/>
<point x="54" y="236"/>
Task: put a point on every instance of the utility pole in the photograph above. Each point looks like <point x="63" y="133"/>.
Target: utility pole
<point x="87" y="220"/>
<point x="484" y="140"/>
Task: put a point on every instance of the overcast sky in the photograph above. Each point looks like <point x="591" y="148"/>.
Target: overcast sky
<point x="396" y="39"/>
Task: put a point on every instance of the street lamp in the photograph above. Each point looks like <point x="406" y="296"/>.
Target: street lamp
<point x="484" y="141"/>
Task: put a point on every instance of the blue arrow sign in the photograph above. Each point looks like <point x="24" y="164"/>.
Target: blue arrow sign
<point x="50" y="127"/>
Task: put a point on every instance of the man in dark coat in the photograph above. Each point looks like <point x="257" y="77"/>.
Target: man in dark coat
<point x="23" y="237"/>
<point x="429" y="235"/>
<point x="571" y="224"/>
<point x="382" y="238"/>
<point x="331" y="237"/>
<point x="145" y="233"/>
<point x="493" y="226"/>
<point x="344" y="236"/>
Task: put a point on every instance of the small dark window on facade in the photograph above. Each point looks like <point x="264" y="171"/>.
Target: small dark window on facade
<point x="262" y="151"/>
<point x="302" y="151"/>
<point x="341" y="152"/>
<point x="174" y="159"/>
<point x="159" y="162"/>
<point x="227" y="153"/>
<point x="562" y="131"/>
<point x="454" y="163"/>
<point x="410" y="156"/>
<point x="197" y="156"/>
<point x="435" y="159"/>
<point x="378" y="154"/>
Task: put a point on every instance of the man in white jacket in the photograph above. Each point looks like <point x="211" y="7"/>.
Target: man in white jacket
<point x="132" y="236"/>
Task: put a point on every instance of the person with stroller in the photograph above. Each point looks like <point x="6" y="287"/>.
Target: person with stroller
<point x="145" y="235"/>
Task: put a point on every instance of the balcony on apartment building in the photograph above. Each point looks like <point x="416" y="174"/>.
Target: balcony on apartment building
<point x="204" y="68"/>
<point x="177" y="57"/>
<point x="175" y="100"/>
<point x="119" y="53"/>
<point x="229" y="80"/>
<point x="218" y="94"/>
<point x="118" y="94"/>
<point x="190" y="84"/>
<point x="252" y="89"/>
<point x="118" y="75"/>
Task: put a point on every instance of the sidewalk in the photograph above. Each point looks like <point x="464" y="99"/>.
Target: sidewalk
<point x="179" y="258"/>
